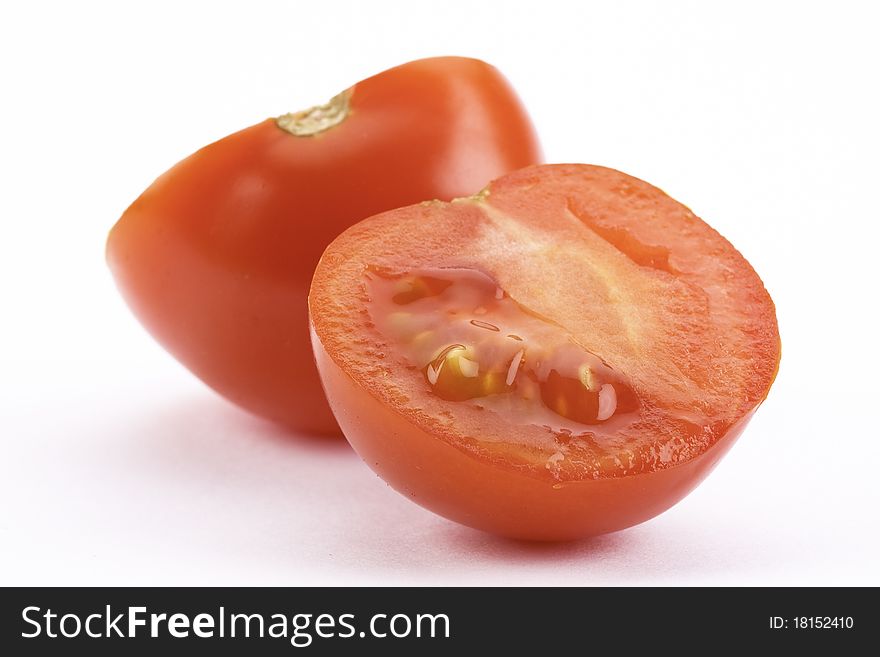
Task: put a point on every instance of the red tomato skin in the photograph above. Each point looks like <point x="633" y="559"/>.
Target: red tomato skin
<point x="499" y="500"/>
<point x="215" y="258"/>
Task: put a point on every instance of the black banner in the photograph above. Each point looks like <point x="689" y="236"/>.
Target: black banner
<point x="114" y="621"/>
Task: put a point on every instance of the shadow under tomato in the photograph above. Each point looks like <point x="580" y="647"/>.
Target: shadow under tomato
<point x="204" y="432"/>
<point x="675" y="548"/>
<point x="510" y="549"/>
<point x="678" y="548"/>
<point x="262" y="429"/>
<point x="303" y="507"/>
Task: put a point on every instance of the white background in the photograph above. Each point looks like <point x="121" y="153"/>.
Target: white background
<point x="118" y="467"/>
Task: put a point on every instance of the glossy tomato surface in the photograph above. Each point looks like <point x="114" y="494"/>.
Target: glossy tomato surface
<point x="216" y="256"/>
<point x="565" y="354"/>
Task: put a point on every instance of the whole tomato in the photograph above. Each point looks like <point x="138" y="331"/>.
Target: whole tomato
<point x="216" y="256"/>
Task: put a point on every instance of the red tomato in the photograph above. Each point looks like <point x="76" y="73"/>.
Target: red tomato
<point x="215" y="257"/>
<point x="567" y="353"/>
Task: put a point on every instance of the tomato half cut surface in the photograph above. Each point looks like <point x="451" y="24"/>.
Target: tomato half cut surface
<point x="216" y="256"/>
<point x="565" y="354"/>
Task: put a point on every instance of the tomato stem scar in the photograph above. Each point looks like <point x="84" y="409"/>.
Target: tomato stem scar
<point x="317" y="119"/>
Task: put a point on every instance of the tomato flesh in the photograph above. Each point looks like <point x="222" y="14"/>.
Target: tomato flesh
<point x="573" y="362"/>
<point x="216" y="256"/>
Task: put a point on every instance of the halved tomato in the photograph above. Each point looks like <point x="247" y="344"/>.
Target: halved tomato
<point x="215" y="258"/>
<point x="567" y="353"/>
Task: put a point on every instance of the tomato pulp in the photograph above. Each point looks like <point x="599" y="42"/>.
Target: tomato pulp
<point x="565" y="354"/>
<point x="216" y="256"/>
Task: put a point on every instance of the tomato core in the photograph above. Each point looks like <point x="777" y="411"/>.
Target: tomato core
<point x="475" y="344"/>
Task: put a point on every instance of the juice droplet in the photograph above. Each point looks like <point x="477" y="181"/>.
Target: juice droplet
<point x="484" y="325"/>
<point x="514" y="367"/>
<point x="607" y="402"/>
